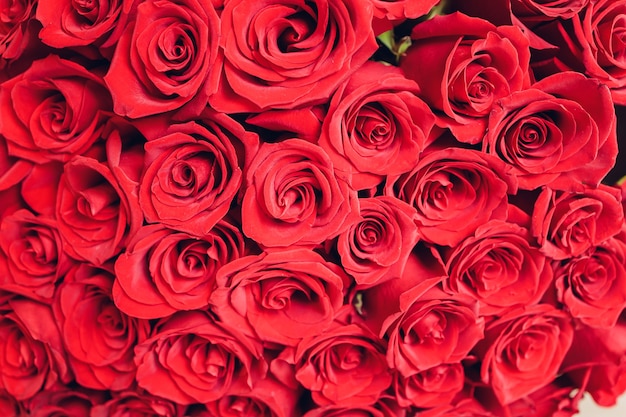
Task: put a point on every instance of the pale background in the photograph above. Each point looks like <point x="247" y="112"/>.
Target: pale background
<point x="589" y="409"/>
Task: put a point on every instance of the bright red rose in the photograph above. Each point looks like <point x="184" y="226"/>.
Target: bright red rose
<point x="64" y="402"/>
<point x="12" y="169"/>
<point x="431" y="329"/>
<point x="553" y="400"/>
<point x="280" y="296"/>
<point x="464" y="408"/>
<point x="380" y="409"/>
<point x="32" y="357"/>
<point x="166" y="58"/>
<point x="287" y="53"/>
<point x="32" y="257"/>
<point x="131" y="403"/>
<point x="295" y="196"/>
<point x="53" y="110"/>
<point x="402" y="9"/>
<point x="98" y="338"/>
<point x="163" y="271"/>
<point x="471" y="64"/>
<point x="192" y="358"/>
<point x="567" y="224"/>
<point x="70" y="23"/>
<point x="376" y="125"/>
<point x="454" y="191"/>
<point x="523" y="350"/>
<point x="193" y="172"/>
<point x="377" y="247"/>
<point x="431" y="387"/>
<point x="14" y="29"/>
<point x="501" y="266"/>
<point x="560" y="132"/>
<point x="345" y="365"/>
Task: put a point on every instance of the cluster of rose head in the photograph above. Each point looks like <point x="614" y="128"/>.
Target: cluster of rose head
<point x="230" y="208"/>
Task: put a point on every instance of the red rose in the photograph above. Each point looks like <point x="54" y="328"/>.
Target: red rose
<point x="377" y="410"/>
<point x="165" y="58"/>
<point x="431" y="329"/>
<point x="593" y="285"/>
<point x="523" y="350"/>
<point x="377" y="247"/>
<point x="70" y="23"/>
<point x="99" y="339"/>
<point x="12" y="169"/>
<point x="345" y="365"/>
<point x="284" y="54"/>
<point x="53" y="110"/>
<point x="464" y="408"/>
<point x="14" y="32"/>
<point x="553" y="400"/>
<point x="163" y="271"/>
<point x="9" y="406"/>
<point x="191" y="358"/>
<point x="280" y="296"/>
<point x="563" y="9"/>
<point x="471" y="64"/>
<point x="32" y="259"/>
<point x="567" y="224"/>
<point x="129" y="403"/>
<point x="32" y="357"/>
<point x="193" y="172"/>
<point x="376" y="125"/>
<point x="294" y="193"/>
<point x="402" y="9"/>
<point x="559" y="132"/>
<point x="431" y="387"/>
<point x="500" y="266"/>
<point x="59" y="402"/>
<point x="454" y="191"/>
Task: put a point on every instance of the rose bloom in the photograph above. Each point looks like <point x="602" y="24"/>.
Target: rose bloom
<point x="64" y="401"/>
<point x="377" y="247"/>
<point x="454" y="191"/>
<point x="472" y="63"/>
<point x="70" y="23"/>
<point x="53" y="110"/>
<point x="431" y="387"/>
<point x="98" y="338"/>
<point x="560" y="132"/>
<point x="431" y="329"/>
<point x="553" y="400"/>
<point x="192" y="358"/>
<point x="523" y="350"/>
<point x="567" y="224"/>
<point x="376" y="125"/>
<point x="32" y="258"/>
<point x="538" y="9"/>
<point x="383" y="408"/>
<point x="163" y="271"/>
<point x="345" y="365"/>
<point x="32" y="356"/>
<point x="166" y="58"/>
<point x="193" y="171"/>
<point x="464" y="408"/>
<point x="127" y="403"/>
<point x="593" y="285"/>
<point x="281" y="296"/>
<point x="14" y="29"/>
<point x="9" y="406"/>
<point x="500" y="265"/>
<point x="294" y="195"/>
<point x="287" y="53"/>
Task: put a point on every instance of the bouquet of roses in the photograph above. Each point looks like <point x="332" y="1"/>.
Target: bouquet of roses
<point x="318" y="208"/>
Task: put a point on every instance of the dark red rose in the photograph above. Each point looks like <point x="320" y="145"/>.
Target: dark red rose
<point x="9" y="406"/>
<point x="32" y="257"/>
<point x="295" y="196"/>
<point x="431" y="387"/>
<point x="560" y="132"/>
<point x="471" y="64"/>
<point x="454" y="191"/>
<point x="284" y="54"/>
<point x="192" y="358"/>
<point x="70" y="23"/>
<point x="166" y="58"/>
<point x="523" y="350"/>
<point x="378" y="246"/>
<point x="99" y="339"/>
<point x="567" y="224"/>
<point x="431" y="329"/>
<point x="137" y="403"/>
<point x="32" y="357"/>
<point x="163" y="271"/>
<point x="14" y="29"/>
<point x="500" y="266"/>
<point x="193" y="172"/>
<point x="59" y="402"/>
<point x="345" y="365"/>
<point x="376" y="125"/>
<point x="280" y="296"/>
<point x="53" y="110"/>
<point x="538" y="9"/>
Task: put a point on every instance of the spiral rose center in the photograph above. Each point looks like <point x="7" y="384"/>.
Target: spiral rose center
<point x="99" y="202"/>
<point x="40" y="248"/>
<point x="194" y="259"/>
<point x="430" y="329"/>
<point x="110" y="321"/>
<point x="176" y="46"/>
<point x="347" y="357"/>
<point x="374" y="127"/>
<point x="88" y="9"/>
<point x="54" y="118"/>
